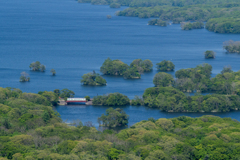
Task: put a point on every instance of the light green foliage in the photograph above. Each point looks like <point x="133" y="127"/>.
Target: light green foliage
<point x="231" y="46"/>
<point x="163" y="79"/>
<point x="112" y="99"/>
<point x="93" y="79"/>
<point x="209" y="54"/>
<point x="37" y="66"/>
<point x="164" y="123"/>
<point x="165" y="66"/>
<point x="31" y="131"/>
<point x="113" y="118"/>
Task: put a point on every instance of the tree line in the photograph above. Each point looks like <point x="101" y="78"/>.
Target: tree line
<point x="31" y="129"/>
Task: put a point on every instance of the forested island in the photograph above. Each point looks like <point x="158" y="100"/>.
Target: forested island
<point x="169" y="93"/>
<point x="36" y="131"/>
<point x="93" y="79"/>
<point x="209" y="54"/>
<point x="118" y="68"/>
<point x="221" y="16"/>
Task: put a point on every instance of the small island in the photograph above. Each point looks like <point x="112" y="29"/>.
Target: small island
<point x="53" y="72"/>
<point x="113" y="118"/>
<point x="113" y="67"/>
<point x="231" y="46"/>
<point x="157" y="22"/>
<point x="109" y="16"/>
<point x="209" y="54"/>
<point x="190" y="26"/>
<point x="112" y="99"/>
<point x="118" y="68"/>
<point x="37" y="66"/>
<point x="165" y="66"/>
<point x="93" y="79"/>
<point x="24" y="77"/>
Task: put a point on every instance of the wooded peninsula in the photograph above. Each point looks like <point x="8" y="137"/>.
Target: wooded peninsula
<point x="221" y="16"/>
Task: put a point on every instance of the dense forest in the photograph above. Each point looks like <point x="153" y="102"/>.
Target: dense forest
<point x="30" y="129"/>
<point x="222" y="16"/>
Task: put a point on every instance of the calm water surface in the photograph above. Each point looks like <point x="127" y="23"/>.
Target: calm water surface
<point x="75" y="39"/>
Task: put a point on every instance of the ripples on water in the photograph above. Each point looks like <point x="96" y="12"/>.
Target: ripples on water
<point x="75" y="39"/>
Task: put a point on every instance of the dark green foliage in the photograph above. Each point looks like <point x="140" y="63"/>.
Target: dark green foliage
<point x="66" y="93"/>
<point x="231" y="46"/>
<point x="163" y="79"/>
<point x="113" y="118"/>
<point x="226" y="69"/>
<point x="112" y="99"/>
<point x="157" y="22"/>
<point x="87" y="98"/>
<point x="37" y="66"/>
<point x="209" y="54"/>
<point x="93" y="79"/>
<point x="142" y="66"/>
<point x="137" y="101"/>
<point x="24" y="77"/>
<point x="165" y="66"/>
<point x="190" y="26"/>
<point x="117" y="67"/>
<point x="113" y="67"/>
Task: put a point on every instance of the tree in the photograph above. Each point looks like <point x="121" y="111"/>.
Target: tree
<point x="87" y="98"/>
<point x="113" y="118"/>
<point x="209" y="54"/>
<point x="113" y="67"/>
<point x="24" y="77"/>
<point x="165" y="66"/>
<point x="66" y="93"/>
<point x="226" y="69"/>
<point x="112" y="99"/>
<point x="57" y="92"/>
<point x="53" y="72"/>
<point x="37" y="66"/>
<point x="163" y="79"/>
<point x="93" y="79"/>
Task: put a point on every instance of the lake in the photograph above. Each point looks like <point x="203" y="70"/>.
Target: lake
<point x="75" y="39"/>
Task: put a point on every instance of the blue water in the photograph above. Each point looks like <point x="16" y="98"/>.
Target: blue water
<point x="75" y="39"/>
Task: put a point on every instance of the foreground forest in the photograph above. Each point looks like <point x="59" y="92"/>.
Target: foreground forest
<point x="30" y="129"/>
<point x="222" y="16"/>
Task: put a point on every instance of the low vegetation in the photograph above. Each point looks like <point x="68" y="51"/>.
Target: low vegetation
<point x="93" y="79"/>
